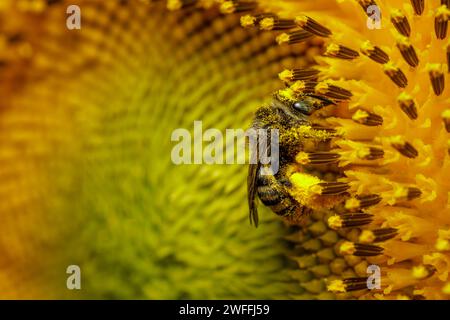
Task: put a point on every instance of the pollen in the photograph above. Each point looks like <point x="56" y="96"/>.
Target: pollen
<point x="305" y="185"/>
<point x="293" y="37"/>
<point x="421" y="272"/>
<point x="237" y="6"/>
<point x="248" y="21"/>
<point x="367" y="236"/>
<point x="314" y="193"/>
<point x="273" y="23"/>
<point x="337" y="286"/>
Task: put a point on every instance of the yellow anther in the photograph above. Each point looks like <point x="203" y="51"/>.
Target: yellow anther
<point x="336" y="286"/>
<point x="366" y="236"/>
<point x="335" y="222"/>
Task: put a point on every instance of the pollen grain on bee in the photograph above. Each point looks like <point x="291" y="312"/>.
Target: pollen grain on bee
<point x="229" y="146"/>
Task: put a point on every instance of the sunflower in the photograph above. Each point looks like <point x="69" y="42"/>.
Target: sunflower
<point x="387" y="167"/>
<point x="87" y="178"/>
<point x="85" y="148"/>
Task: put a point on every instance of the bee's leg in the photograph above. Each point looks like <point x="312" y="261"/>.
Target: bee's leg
<point x="298" y="212"/>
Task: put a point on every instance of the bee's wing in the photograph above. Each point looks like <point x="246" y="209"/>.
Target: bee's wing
<point x="253" y="171"/>
<point x="251" y="193"/>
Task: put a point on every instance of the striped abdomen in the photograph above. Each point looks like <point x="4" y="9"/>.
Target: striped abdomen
<point x="273" y="195"/>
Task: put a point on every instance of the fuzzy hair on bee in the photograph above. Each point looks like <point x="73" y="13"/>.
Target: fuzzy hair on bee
<point x="262" y="181"/>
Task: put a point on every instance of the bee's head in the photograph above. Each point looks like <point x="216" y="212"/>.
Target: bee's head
<point x="310" y="103"/>
<point x="300" y="109"/>
<point x="303" y="106"/>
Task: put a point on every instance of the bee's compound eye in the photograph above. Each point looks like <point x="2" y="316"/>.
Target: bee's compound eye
<point x="303" y="107"/>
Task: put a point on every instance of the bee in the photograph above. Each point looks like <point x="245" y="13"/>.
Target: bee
<point x="271" y="187"/>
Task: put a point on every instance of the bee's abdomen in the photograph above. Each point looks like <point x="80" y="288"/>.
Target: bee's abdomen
<point x="274" y="196"/>
<point x="285" y="207"/>
<point x="268" y="195"/>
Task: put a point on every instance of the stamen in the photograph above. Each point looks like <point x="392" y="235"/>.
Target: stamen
<point x="333" y="188"/>
<point x="328" y="130"/>
<point x="396" y="75"/>
<point x="408" y="52"/>
<point x="237" y="6"/>
<point x="338" y="51"/>
<point x="272" y="23"/>
<point x="360" y="249"/>
<point x="349" y="220"/>
<point x="317" y="157"/>
<point x="306" y="187"/>
<point x="368" y="200"/>
<point x="362" y="201"/>
<point x="413" y="193"/>
<point x="302" y="87"/>
<point x="436" y="77"/>
<point x="423" y="271"/>
<point x="332" y="91"/>
<point x="367" y="118"/>
<point x="298" y="74"/>
<point x="443" y="241"/>
<point x="374" y="53"/>
<point x="374" y="154"/>
<point x="179" y="4"/>
<point x="446" y="118"/>
<point x="312" y="26"/>
<point x="407" y="105"/>
<point x="286" y="95"/>
<point x="377" y="235"/>
<point x="366" y="3"/>
<point x="405" y="148"/>
<point x="400" y="22"/>
<point x="348" y="285"/>
<point x="418" y="5"/>
<point x="441" y="22"/>
<point x="448" y="57"/>
<point x="248" y="20"/>
<point x="294" y="37"/>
